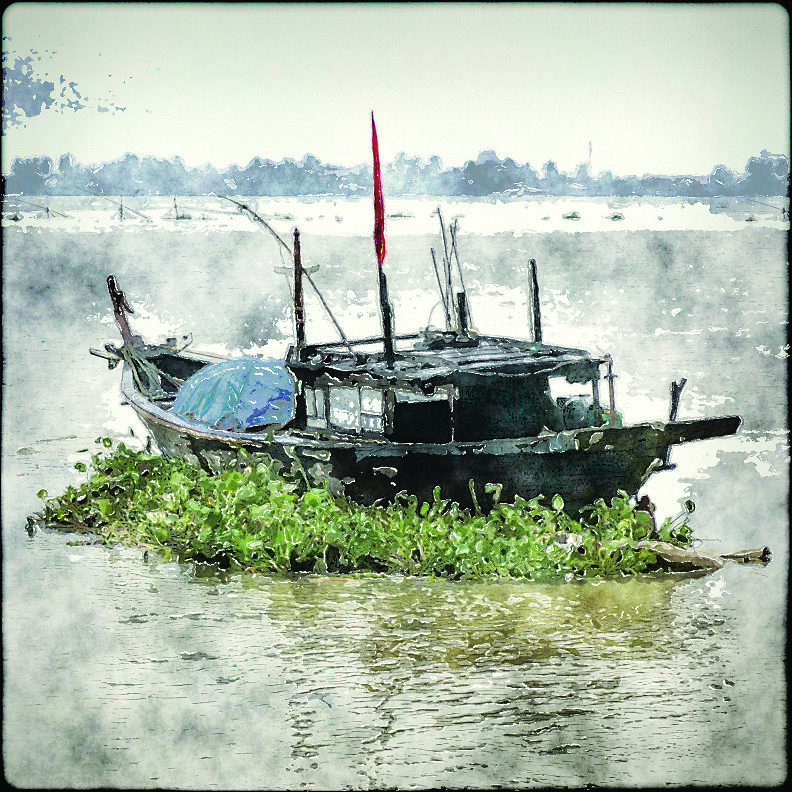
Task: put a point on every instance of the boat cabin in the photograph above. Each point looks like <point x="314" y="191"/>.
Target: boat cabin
<point x="443" y="387"/>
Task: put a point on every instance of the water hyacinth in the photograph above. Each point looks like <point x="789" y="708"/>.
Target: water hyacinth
<point x="261" y="517"/>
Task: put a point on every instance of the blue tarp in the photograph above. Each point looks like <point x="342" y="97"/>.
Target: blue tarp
<point x="238" y="394"/>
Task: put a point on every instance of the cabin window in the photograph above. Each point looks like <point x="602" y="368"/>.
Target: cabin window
<point x="315" y="408"/>
<point x="345" y="409"/>
<point x="371" y="410"/>
<point x="357" y="410"/>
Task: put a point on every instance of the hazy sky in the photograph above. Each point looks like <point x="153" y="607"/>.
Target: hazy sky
<point x="666" y="89"/>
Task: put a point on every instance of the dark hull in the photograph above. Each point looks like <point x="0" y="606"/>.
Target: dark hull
<point x="580" y="465"/>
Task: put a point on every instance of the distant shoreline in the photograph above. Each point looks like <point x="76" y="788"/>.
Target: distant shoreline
<point x="766" y="175"/>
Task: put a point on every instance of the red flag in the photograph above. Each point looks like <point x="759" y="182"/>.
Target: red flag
<point x="379" y="207"/>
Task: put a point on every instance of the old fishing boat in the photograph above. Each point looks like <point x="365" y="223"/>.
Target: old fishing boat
<point x="449" y="408"/>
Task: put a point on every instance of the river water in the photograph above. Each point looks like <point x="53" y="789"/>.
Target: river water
<point x="125" y="671"/>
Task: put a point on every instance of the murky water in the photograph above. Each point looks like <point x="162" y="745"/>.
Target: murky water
<point x="133" y="672"/>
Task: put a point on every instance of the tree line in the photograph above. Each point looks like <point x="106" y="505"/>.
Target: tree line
<point x="764" y="175"/>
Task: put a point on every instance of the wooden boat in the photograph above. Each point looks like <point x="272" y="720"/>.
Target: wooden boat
<point x="447" y="408"/>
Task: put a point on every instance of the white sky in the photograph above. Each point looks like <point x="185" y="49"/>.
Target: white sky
<point x="665" y="89"/>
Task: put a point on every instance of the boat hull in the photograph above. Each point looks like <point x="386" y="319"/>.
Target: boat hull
<point x="580" y="465"/>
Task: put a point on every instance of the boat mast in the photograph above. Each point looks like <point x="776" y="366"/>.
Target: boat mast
<point x="299" y="312"/>
<point x="536" y="314"/>
<point x="387" y="319"/>
<point x="379" y="246"/>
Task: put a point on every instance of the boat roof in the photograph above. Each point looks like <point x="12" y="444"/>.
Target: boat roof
<point x="441" y="357"/>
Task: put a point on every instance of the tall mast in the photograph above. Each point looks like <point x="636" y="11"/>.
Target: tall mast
<point x="299" y="312"/>
<point x="379" y="246"/>
<point x="536" y="312"/>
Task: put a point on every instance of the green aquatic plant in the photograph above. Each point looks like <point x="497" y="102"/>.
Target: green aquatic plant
<point x="259" y="515"/>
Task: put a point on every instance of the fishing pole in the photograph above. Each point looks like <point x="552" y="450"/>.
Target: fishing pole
<point x="784" y="211"/>
<point x="43" y="208"/>
<point x="117" y="203"/>
<point x="260" y="219"/>
<point x="256" y="216"/>
<point x="762" y="203"/>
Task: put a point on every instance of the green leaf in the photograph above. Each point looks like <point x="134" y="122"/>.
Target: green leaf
<point x="259" y="519"/>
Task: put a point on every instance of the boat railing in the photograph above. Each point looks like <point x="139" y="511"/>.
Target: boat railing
<point x="359" y="342"/>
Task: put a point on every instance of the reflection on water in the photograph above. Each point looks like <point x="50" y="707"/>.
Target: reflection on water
<point x="131" y="673"/>
<point x="144" y="673"/>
